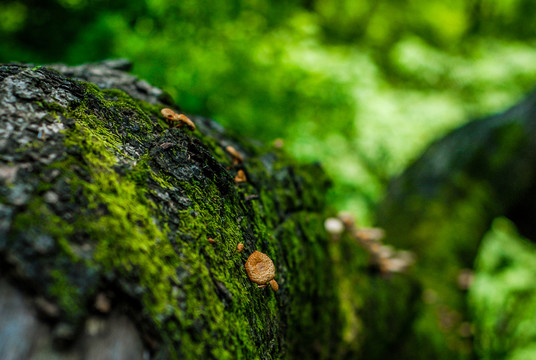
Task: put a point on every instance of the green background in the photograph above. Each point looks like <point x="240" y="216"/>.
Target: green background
<point x="362" y="86"/>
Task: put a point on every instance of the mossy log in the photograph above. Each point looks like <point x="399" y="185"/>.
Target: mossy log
<point x="119" y="234"/>
<point x="445" y="202"/>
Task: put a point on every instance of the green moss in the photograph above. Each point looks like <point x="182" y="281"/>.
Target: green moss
<point x="61" y="282"/>
<point x="128" y="237"/>
<point x="139" y="221"/>
<point x="121" y="100"/>
<point x="67" y="294"/>
<point x="218" y="153"/>
<point x="141" y="172"/>
<point x="53" y="107"/>
<point x="39" y="219"/>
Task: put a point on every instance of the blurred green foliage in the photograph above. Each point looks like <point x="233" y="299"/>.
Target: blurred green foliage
<point x="361" y="86"/>
<point x="503" y="297"/>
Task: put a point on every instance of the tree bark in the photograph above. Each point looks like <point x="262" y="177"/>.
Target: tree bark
<point x="119" y="234"/>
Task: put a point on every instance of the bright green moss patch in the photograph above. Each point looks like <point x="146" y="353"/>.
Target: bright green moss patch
<point x="118" y="216"/>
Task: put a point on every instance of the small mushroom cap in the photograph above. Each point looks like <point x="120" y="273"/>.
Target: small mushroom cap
<point x="274" y="285"/>
<point x="260" y="268"/>
<point x="235" y="154"/>
<point x="334" y="226"/>
<point x="347" y="218"/>
<point x="181" y="118"/>
<point x="169" y="114"/>
<point x="369" y="234"/>
<point x="187" y="121"/>
<point x="240" y="247"/>
<point x="240" y="176"/>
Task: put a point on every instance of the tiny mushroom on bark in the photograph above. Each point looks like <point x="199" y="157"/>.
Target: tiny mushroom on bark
<point x="369" y="234"/>
<point x="334" y="227"/>
<point x="240" y="176"/>
<point x="169" y="114"/>
<point x="261" y="270"/>
<point x="189" y="123"/>
<point x="239" y="247"/>
<point x="180" y="118"/>
<point x="102" y="303"/>
<point x="237" y="157"/>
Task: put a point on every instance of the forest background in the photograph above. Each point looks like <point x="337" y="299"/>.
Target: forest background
<point x="363" y="87"/>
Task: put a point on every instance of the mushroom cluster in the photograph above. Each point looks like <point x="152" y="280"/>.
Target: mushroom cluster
<point x="385" y="257"/>
<point x="180" y="118"/>
<point x="261" y="270"/>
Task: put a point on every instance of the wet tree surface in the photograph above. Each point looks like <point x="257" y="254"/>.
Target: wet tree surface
<point x="442" y="206"/>
<point x="119" y="234"/>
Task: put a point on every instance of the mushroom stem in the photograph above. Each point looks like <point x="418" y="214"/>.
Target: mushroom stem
<point x="274" y="285"/>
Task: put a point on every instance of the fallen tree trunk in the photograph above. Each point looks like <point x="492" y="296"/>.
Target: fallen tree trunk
<point x="119" y="234"/>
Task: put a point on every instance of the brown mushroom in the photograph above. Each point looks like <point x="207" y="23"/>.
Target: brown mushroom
<point x="237" y="157"/>
<point x="261" y="270"/>
<point x="189" y="123"/>
<point x="180" y="118"/>
<point x="240" y="247"/>
<point x="240" y="176"/>
<point x="169" y="114"/>
<point x="369" y="234"/>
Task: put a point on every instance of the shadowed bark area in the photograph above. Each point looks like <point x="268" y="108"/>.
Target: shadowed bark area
<point x="444" y="203"/>
<point x="105" y="218"/>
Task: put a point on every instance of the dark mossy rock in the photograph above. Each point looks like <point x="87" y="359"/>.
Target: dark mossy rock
<point x="105" y="219"/>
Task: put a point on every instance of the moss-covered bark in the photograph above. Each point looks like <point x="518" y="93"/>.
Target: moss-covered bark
<point x="100" y="198"/>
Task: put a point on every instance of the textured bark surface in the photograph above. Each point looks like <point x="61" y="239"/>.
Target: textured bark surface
<point x="445" y="202"/>
<point x="105" y="220"/>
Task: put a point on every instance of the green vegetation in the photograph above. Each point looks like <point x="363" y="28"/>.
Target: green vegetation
<point x="361" y="86"/>
<point x="503" y="297"/>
